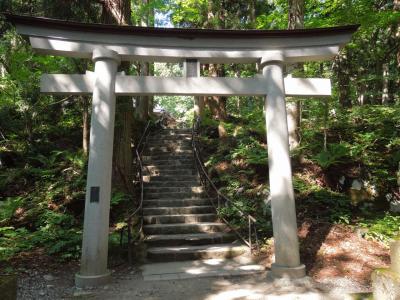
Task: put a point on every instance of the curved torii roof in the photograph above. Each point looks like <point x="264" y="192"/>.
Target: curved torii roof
<point x="57" y="37"/>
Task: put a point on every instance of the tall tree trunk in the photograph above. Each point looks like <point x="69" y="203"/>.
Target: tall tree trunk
<point x="142" y="110"/>
<point x="296" y="14"/>
<point x="396" y="7"/>
<point x="385" y="84"/>
<point x="116" y="12"/>
<point x="343" y="80"/>
<point x="293" y="107"/>
<point x="85" y="124"/>
<point x="252" y="12"/>
<point x="361" y="94"/>
<point x="217" y="104"/>
<point x="145" y="103"/>
<point x="119" y="12"/>
<point x="216" y="19"/>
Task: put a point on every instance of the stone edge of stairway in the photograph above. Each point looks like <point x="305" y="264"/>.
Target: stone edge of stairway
<point x="173" y="270"/>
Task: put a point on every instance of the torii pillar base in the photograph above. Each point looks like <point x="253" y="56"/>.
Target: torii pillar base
<point x="82" y="281"/>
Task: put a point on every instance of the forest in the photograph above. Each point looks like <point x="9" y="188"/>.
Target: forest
<point x="345" y="149"/>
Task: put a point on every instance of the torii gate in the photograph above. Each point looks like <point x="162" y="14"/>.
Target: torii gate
<point x="108" y="45"/>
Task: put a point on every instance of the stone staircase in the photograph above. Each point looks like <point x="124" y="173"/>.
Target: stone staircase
<point x="180" y="222"/>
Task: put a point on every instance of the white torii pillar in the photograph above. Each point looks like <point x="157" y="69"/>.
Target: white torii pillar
<point x="287" y="255"/>
<point x="94" y="270"/>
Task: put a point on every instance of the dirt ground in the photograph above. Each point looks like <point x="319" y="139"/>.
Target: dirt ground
<point x="337" y="259"/>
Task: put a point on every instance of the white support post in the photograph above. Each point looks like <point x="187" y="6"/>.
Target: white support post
<point x="94" y="270"/>
<point x="287" y="257"/>
<point x="191" y="68"/>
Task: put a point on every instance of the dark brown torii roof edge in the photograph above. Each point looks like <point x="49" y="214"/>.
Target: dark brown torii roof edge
<point x="188" y="33"/>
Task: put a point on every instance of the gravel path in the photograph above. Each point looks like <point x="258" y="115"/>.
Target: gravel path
<point x="128" y="283"/>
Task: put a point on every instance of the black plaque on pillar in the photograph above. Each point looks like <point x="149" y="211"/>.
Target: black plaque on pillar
<point x="94" y="194"/>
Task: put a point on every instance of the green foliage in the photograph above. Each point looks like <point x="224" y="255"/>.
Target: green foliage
<point x="383" y="228"/>
<point x="57" y="179"/>
<point x="9" y="206"/>
<point x="335" y="153"/>
<point x="55" y="232"/>
<point x="117" y="197"/>
<point x="251" y="151"/>
<point x="12" y="241"/>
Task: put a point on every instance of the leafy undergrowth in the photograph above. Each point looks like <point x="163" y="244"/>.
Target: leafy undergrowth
<point x="363" y="147"/>
<point x="42" y="204"/>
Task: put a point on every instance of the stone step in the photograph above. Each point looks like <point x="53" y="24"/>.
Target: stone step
<point x="169" y="141"/>
<point x="181" y="218"/>
<point x="172" y="133"/>
<point x="175" y="195"/>
<point x="191" y="239"/>
<point x="170" y="146"/>
<point x="154" y="168"/>
<point x="165" y="210"/>
<point x="163" y="150"/>
<point x="174" y="178"/>
<point x="168" y="162"/>
<point x="176" y="131"/>
<point x="168" y="156"/>
<point x="176" y="202"/>
<point x="165" y="189"/>
<point x="180" y="253"/>
<point x="185" y="228"/>
<point x="170" y="173"/>
<point x="172" y="184"/>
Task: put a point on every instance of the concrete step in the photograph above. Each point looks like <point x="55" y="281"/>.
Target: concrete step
<point x="195" y="209"/>
<point x="154" y="168"/>
<point x="172" y="184"/>
<point x="176" y="131"/>
<point x="167" y="189"/>
<point x="176" y="202"/>
<point x="176" y="195"/>
<point x="163" y="150"/>
<point x="169" y="141"/>
<point x="173" y="219"/>
<point x="171" y="161"/>
<point x="172" y="133"/>
<point x="181" y="253"/>
<point x="191" y="239"/>
<point x="168" y="147"/>
<point x="168" y="156"/>
<point x="170" y="173"/>
<point x="184" y="228"/>
<point x="169" y="138"/>
<point x="172" y="179"/>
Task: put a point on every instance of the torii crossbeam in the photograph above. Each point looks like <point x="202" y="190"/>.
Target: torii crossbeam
<point x="107" y="45"/>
